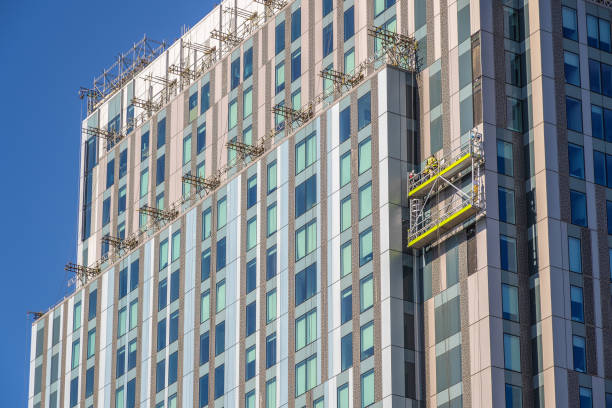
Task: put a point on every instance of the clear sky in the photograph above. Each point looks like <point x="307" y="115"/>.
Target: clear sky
<point x="47" y="50"/>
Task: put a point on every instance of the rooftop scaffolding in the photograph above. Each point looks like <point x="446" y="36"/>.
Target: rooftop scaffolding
<point x="109" y="135"/>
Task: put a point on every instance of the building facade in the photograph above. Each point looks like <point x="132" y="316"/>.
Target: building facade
<point x="430" y="233"/>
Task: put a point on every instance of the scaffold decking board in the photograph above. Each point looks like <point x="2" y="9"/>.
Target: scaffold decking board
<point x="443" y="226"/>
<point x="449" y="171"/>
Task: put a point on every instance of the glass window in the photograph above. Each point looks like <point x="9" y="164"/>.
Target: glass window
<point x="346" y="305"/>
<point x="305" y="329"/>
<point x="305" y="375"/>
<point x="305" y="195"/>
<point x="76" y="317"/>
<point x="271" y="217"/>
<point x="349" y="23"/>
<point x="251" y="240"/>
<point x="132" y="353"/>
<point x="247" y="102"/>
<point x="121" y="205"/>
<point x="123" y="283"/>
<point x="575" y="257"/>
<point x="365" y="200"/>
<point x="76" y="353"/>
<point x="586" y="397"/>
<point x="367" y="388"/>
<point x="205" y="97"/>
<point x="162" y="294"/>
<point x="161" y="169"/>
<point x="296" y="24"/>
<point x="609" y="214"/>
<point x="578" y="208"/>
<point x="93" y="304"/>
<point x="74" y="391"/>
<point x="510" y="302"/>
<point x="204" y="348"/>
<point x="193" y="106"/>
<point x="346" y="351"/>
<point x="382" y="5"/>
<point x="574" y="114"/>
<point x="106" y="211"/>
<point x="280" y="77"/>
<point x="219" y="338"/>
<point x="327" y="7"/>
<point x="220" y="296"/>
<point x="364" y="111"/>
<point x="305" y="153"/>
<point x="120" y="368"/>
<point x="570" y="25"/>
<point x="172" y="367"/>
<point x="205" y="265"/>
<point x="110" y="173"/>
<point x="296" y="64"/>
<point x="122" y="322"/>
<point x="365" y="155"/>
<point x="606" y="79"/>
<point x="235" y="73"/>
<point x="514" y="398"/>
<point x="161" y="334"/>
<point x="594" y="76"/>
<point x="572" y="68"/>
<point x="91" y="342"/>
<point x="579" y="351"/>
<point x="599" y="167"/>
<point x="365" y="247"/>
<point x="345" y="213"/>
<point x="366" y="292"/>
<point x="221" y="213"/>
<point x="176" y="245"/>
<point x="604" y="35"/>
<point x="576" y="160"/>
<point x="250" y="364"/>
<point x="271" y="393"/>
<point x="577" y="303"/>
<point x="219" y="381"/>
<point x="343" y="396"/>
<point x="248" y="63"/>
<point x="251" y="275"/>
<point x="205" y="306"/>
<point x="161" y="133"/>
<point x="328" y="38"/>
<point x="508" y="253"/>
<point x="252" y="191"/>
<point x="345" y="258"/>
<point x="279" y="38"/>
<point x="271" y="350"/>
<point x="512" y="352"/>
<point x="506" y="205"/>
<point x="271" y="306"/>
<point x="271" y="177"/>
<point x="232" y="114"/>
<point x="306" y="240"/>
<point x="144" y="146"/>
<point x="271" y="262"/>
<point x="251" y="318"/>
<point x="174" y="324"/>
<point x="345" y="124"/>
<point x="514" y="114"/>
<point x="305" y="284"/>
<point x="345" y="168"/>
<point x="133" y="314"/>
<point x="367" y="340"/>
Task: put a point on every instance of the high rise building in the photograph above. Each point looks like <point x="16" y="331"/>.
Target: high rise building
<point x="292" y="205"/>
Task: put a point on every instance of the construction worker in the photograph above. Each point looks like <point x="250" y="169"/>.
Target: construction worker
<point x="431" y="165"/>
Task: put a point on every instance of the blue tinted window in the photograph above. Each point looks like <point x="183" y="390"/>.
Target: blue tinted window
<point x="161" y="169"/>
<point x="74" y="391"/>
<point x="609" y="169"/>
<point x="93" y="304"/>
<point x="132" y="352"/>
<point x="120" y="369"/>
<point x="235" y="73"/>
<point x="271" y="263"/>
<point x="174" y="286"/>
<point x="161" y="334"/>
<point x="220" y="338"/>
<point x="345" y="124"/>
<point x="251" y="191"/>
<point x="328" y="39"/>
<point x="162" y="294"/>
<point x="346" y="305"/>
<point x="606" y="79"/>
<point x="305" y="196"/>
<point x="89" y="382"/>
<point x="144" y="146"/>
<point x="250" y="364"/>
<point x="594" y="76"/>
<point x="160" y="376"/>
<point x="305" y="284"/>
<point x="123" y="283"/>
<point x="91" y="157"/>
<point x="251" y="318"/>
<point x="193" y="101"/>
<point x="110" y="173"/>
<point x="576" y="160"/>
<point x="201" y="142"/>
<point x="572" y="68"/>
<point x="123" y="163"/>
<point x="161" y="133"/>
<point x="205" y="268"/>
<point x="597" y="121"/>
<point x="174" y="325"/>
<point x="280" y="37"/>
<point x="134" y="275"/>
<point x="106" y="211"/>
<point x="130" y="394"/>
<point x="349" y="23"/>
<point x="296" y="24"/>
<point x="203" y="394"/>
<point x="346" y="351"/>
<point x="609" y="214"/>
<point x="579" y="351"/>
<point x="364" y="111"/>
<point x="221" y="254"/>
<point x="219" y="381"/>
<point x="205" y="97"/>
<point x="271" y="350"/>
<point x="577" y="303"/>
<point x="296" y="64"/>
<point x="328" y="5"/>
<point x="248" y="63"/>
<point x="574" y="114"/>
<point x="251" y="275"/>
<point x="607" y="124"/>
<point x="122" y="202"/>
<point x="570" y="25"/>
<point x="172" y="367"/>
<point x="586" y="397"/>
<point x="204" y="348"/>
<point x="578" y="208"/>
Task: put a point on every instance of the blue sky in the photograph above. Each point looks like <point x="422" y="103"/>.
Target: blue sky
<point x="47" y="50"/>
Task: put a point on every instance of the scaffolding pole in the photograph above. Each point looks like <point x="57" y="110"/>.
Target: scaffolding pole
<point x="201" y="183"/>
<point x="159" y="215"/>
<point x="109" y="135"/>
<point x="229" y="39"/>
<point x="341" y="80"/>
<point x="81" y="272"/>
<point x="399" y="48"/>
<point x="120" y="243"/>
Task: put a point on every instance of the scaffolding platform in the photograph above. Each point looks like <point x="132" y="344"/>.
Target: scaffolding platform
<point x="447" y="167"/>
<point x="433" y="217"/>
